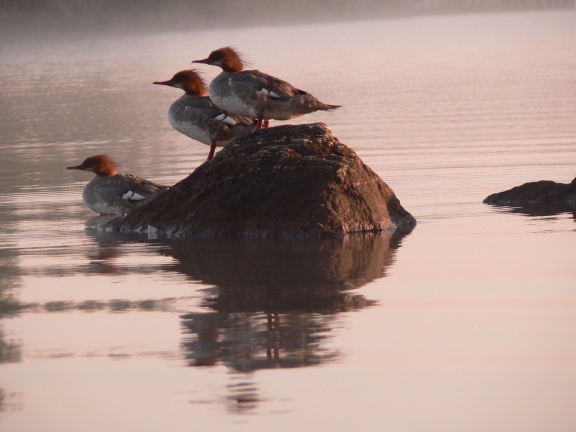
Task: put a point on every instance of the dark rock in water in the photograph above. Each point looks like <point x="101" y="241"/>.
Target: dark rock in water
<point x="285" y="181"/>
<point x="540" y="193"/>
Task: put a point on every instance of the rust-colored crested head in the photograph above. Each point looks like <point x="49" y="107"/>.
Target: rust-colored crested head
<point x="227" y="58"/>
<point x="188" y="80"/>
<point x="101" y="165"/>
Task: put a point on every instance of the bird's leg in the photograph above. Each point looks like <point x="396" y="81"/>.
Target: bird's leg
<point x="259" y="123"/>
<point x="212" y="150"/>
<point x="266" y="123"/>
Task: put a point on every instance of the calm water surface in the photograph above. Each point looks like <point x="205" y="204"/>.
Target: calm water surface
<point x="468" y="323"/>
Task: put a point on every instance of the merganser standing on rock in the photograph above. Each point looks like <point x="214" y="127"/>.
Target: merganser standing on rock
<point x="255" y="94"/>
<point x="113" y="193"/>
<point x="196" y="116"/>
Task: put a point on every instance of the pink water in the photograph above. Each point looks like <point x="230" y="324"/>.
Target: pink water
<point x="467" y="323"/>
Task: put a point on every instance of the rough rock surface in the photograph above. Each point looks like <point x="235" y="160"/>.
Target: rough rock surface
<point x="542" y="193"/>
<point x="285" y="181"/>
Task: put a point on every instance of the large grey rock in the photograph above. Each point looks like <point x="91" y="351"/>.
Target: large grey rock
<point x="285" y="181"/>
<point x="540" y="193"/>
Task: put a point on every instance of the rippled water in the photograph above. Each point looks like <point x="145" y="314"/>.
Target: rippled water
<point x="466" y="323"/>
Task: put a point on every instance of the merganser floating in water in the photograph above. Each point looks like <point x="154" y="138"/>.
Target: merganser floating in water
<point x="113" y="193"/>
<point x="196" y="116"/>
<point x="254" y="94"/>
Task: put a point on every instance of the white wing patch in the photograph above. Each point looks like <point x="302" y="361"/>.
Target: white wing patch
<point x="226" y="119"/>
<point x="269" y="93"/>
<point x="133" y="196"/>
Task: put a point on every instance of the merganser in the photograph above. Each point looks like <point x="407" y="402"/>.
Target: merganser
<point x="255" y="94"/>
<point x="113" y="193"/>
<point x="196" y="116"/>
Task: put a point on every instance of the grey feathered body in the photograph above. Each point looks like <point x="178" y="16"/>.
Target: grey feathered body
<point x="119" y="193"/>
<point x="252" y="93"/>
<point x="200" y="119"/>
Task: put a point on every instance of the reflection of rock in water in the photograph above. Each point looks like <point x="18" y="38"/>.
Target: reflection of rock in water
<point x="10" y="401"/>
<point x="275" y="302"/>
<point x="540" y="211"/>
<point x="344" y="263"/>
<point x="104" y="258"/>
<point x="243" y="397"/>
<point x="10" y="350"/>
<point x="252" y="341"/>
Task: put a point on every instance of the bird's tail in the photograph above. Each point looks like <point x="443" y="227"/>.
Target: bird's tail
<point x="327" y="107"/>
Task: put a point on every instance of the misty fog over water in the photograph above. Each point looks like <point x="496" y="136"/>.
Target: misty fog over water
<point x="56" y="17"/>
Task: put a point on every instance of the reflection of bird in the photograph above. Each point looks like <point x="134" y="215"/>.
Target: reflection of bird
<point x="113" y="193"/>
<point x="255" y="94"/>
<point x="196" y="116"/>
